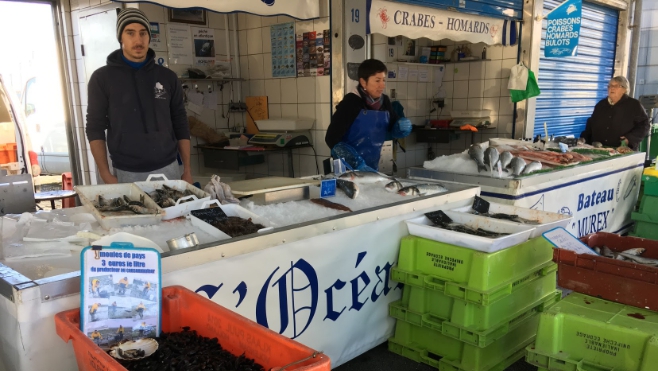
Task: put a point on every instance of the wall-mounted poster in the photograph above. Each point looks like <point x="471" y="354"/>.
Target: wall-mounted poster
<point x="313" y="53"/>
<point x="282" y="37"/>
<point x="204" y="46"/>
<point x="180" y="44"/>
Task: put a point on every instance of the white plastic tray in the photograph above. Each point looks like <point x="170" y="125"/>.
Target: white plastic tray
<point x="109" y="220"/>
<point x="181" y="209"/>
<point x="423" y="227"/>
<point x="229" y="210"/>
<point x="547" y="221"/>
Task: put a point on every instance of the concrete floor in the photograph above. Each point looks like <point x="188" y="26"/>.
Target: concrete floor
<point x="380" y="359"/>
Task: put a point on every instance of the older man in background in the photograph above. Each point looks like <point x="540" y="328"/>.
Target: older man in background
<point x="617" y="119"/>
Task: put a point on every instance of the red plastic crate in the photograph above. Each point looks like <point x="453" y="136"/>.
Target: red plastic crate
<point x="621" y="281"/>
<point x="182" y="307"/>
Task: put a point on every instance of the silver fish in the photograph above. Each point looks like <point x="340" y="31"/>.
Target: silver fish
<point x="639" y="259"/>
<point x="364" y="177"/>
<point x="394" y="186"/>
<point x="517" y="165"/>
<point x="636" y="251"/>
<point x="597" y="250"/>
<point x="491" y="156"/>
<point x="350" y="188"/>
<point x="505" y="158"/>
<point x="140" y="210"/>
<point x="533" y="166"/>
<point x="607" y="252"/>
<point x="422" y="190"/>
<point x="477" y="154"/>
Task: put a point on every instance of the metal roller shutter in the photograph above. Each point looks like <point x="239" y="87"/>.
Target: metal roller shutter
<point x="571" y="87"/>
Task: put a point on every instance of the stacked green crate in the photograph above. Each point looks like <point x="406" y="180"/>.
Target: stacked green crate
<point x="646" y="219"/>
<point x="463" y="309"/>
<point x="586" y="333"/>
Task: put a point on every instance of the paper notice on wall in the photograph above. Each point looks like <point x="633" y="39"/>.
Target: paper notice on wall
<point x="402" y="73"/>
<point x="179" y="43"/>
<point x="210" y="100"/>
<point x="423" y="76"/>
<point x="413" y="75"/>
<point x="158" y="37"/>
<point x="204" y="46"/>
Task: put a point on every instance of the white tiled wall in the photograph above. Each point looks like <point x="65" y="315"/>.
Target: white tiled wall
<point x="467" y="85"/>
<point x="294" y="97"/>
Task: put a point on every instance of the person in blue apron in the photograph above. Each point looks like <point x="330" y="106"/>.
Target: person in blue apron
<point x="364" y="120"/>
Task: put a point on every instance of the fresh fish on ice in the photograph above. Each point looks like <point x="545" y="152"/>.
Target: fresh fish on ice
<point x="517" y="165"/>
<point x="330" y="205"/>
<point x="364" y="177"/>
<point x="422" y="190"/>
<point x="505" y="158"/>
<point x="533" y="166"/>
<point x="477" y="154"/>
<point x="491" y="157"/>
<point x="512" y="217"/>
<point x="394" y="186"/>
<point x="350" y="188"/>
<point x="441" y="220"/>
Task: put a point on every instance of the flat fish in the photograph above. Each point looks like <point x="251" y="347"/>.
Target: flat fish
<point x="330" y="205"/>
<point x="477" y="154"/>
<point x="350" y="188"/>
<point x="505" y="158"/>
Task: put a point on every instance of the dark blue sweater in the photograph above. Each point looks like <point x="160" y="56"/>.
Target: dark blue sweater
<point x="142" y="111"/>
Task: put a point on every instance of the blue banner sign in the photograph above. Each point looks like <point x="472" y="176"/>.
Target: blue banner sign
<point x="563" y="30"/>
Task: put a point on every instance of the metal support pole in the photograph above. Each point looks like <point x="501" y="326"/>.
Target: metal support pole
<point x="635" y="47"/>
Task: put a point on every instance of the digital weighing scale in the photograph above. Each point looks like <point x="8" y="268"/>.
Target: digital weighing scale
<point x="283" y="133"/>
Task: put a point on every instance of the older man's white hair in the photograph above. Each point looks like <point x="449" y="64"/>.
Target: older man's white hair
<point x="621" y="81"/>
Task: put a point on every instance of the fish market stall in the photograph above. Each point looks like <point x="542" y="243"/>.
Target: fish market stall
<point x="315" y="273"/>
<point x="599" y="192"/>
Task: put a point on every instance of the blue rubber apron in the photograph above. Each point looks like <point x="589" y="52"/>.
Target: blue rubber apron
<point x="367" y="135"/>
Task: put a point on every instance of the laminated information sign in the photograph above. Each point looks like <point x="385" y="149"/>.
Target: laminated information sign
<point x="120" y="293"/>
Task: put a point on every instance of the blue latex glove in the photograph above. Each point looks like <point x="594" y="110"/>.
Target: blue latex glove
<point x="402" y="128"/>
<point x="350" y="156"/>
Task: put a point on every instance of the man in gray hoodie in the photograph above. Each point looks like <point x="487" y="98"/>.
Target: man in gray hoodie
<point x="140" y="105"/>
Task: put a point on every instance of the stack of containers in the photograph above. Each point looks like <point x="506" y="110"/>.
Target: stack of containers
<point x="611" y="322"/>
<point x="646" y="220"/>
<point x="467" y="304"/>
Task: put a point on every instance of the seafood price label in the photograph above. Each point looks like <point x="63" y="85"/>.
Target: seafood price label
<point x="562" y="239"/>
<point x="121" y="293"/>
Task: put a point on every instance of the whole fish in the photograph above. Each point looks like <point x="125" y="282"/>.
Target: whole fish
<point x="422" y="190"/>
<point x="636" y="251"/>
<point x="517" y="165"/>
<point x="330" y="205"/>
<point x="350" y="188"/>
<point x="639" y="259"/>
<point x="394" y="186"/>
<point x="505" y="158"/>
<point x="364" y="177"/>
<point x="477" y="154"/>
<point x="533" y="166"/>
<point x="491" y="156"/>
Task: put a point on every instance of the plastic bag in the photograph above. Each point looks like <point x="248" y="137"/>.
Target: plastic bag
<point x="518" y="78"/>
<point x="531" y="90"/>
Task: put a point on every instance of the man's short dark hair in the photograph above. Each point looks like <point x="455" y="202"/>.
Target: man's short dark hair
<point x="371" y="67"/>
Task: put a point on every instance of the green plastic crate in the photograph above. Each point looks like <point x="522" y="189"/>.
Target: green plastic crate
<point x="645" y="226"/>
<point x="448" y="354"/>
<point x="649" y="204"/>
<point x="604" y="335"/>
<point x="467" y="293"/>
<point x="650" y="185"/>
<point x="467" y="267"/>
<point x="473" y="324"/>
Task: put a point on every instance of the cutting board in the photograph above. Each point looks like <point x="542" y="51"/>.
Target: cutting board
<point x="256" y="110"/>
<point x="269" y="184"/>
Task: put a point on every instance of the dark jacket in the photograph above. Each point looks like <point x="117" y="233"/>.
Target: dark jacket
<point x="627" y="118"/>
<point x="142" y="111"/>
<point x="347" y="111"/>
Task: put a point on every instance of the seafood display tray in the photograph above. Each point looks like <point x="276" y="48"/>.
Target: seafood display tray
<point x="616" y="280"/>
<point x="518" y="233"/>
<point x="229" y="210"/>
<point x="472" y="323"/>
<point x="546" y="220"/>
<point x="182" y="307"/>
<point x="109" y="220"/>
<point x="422" y="261"/>
<point x="586" y="333"/>
<point x="447" y="354"/>
<point x="198" y="197"/>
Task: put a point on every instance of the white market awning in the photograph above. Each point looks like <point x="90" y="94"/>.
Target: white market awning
<point x="300" y="9"/>
<point x="398" y="19"/>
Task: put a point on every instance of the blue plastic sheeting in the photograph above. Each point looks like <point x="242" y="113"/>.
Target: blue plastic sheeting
<point x="571" y="87"/>
<point x="508" y="9"/>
